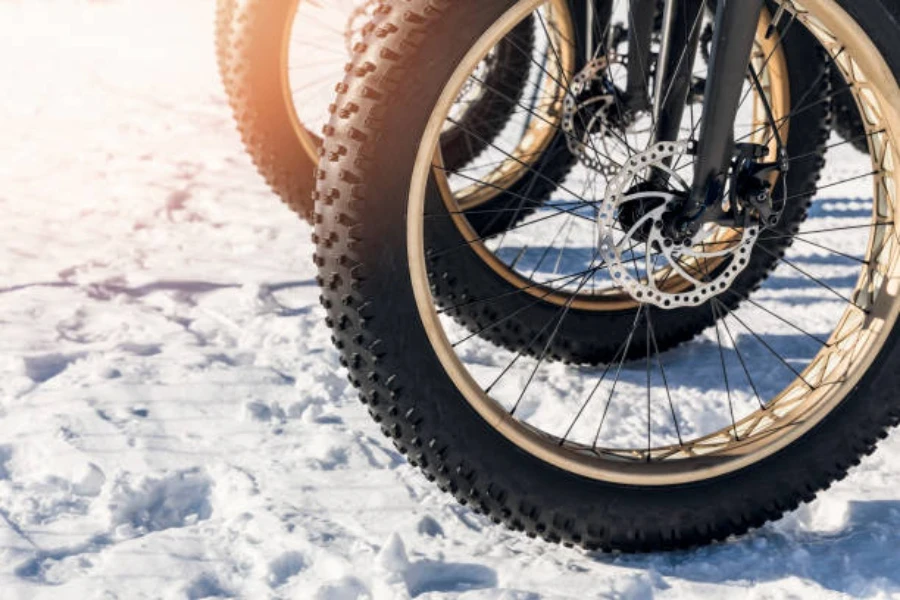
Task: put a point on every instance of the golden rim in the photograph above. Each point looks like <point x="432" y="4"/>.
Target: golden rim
<point x="307" y="140"/>
<point x="541" y="130"/>
<point x="771" y="64"/>
<point x="831" y="374"/>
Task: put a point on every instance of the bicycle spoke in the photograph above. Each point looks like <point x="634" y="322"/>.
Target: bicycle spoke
<point x="662" y="373"/>
<point x="716" y="315"/>
<point x="812" y="278"/>
<point x="728" y="312"/>
<point x="547" y="346"/>
<point x="612" y="391"/>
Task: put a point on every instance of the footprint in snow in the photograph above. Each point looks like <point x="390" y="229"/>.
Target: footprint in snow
<point x="6" y="453"/>
<point x="206" y="585"/>
<point x="44" y="367"/>
<point x="177" y="499"/>
<point x="429" y="526"/>
<point x="284" y="567"/>
<point x="262" y="412"/>
<point x="328" y="458"/>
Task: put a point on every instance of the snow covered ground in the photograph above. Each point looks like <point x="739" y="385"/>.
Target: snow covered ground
<point x="173" y="420"/>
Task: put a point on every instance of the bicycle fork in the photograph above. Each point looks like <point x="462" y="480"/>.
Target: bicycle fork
<point x="734" y="31"/>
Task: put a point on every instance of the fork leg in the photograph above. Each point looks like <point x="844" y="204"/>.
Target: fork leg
<point x="733" y="35"/>
<point x="641" y="17"/>
<point x="681" y="37"/>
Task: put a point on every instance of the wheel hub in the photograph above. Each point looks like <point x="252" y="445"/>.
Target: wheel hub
<point x="641" y="200"/>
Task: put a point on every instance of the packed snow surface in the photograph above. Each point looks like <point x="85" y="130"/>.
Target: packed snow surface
<point x="173" y="419"/>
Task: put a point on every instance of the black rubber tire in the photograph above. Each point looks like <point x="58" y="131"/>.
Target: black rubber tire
<point x="253" y="79"/>
<point x="265" y="124"/>
<point x="224" y="18"/>
<point x="484" y="301"/>
<point x="846" y="120"/>
<point x="367" y="293"/>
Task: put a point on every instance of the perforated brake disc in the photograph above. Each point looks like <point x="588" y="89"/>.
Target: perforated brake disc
<point x="642" y="257"/>
<point x="579" y="130"/>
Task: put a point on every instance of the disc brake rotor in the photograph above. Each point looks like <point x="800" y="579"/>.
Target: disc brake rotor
<point x="579" y="102"/>
<point x="642" y="257"/>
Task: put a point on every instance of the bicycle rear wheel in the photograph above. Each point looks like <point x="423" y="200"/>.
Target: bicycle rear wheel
<point x="280" y="58"/>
